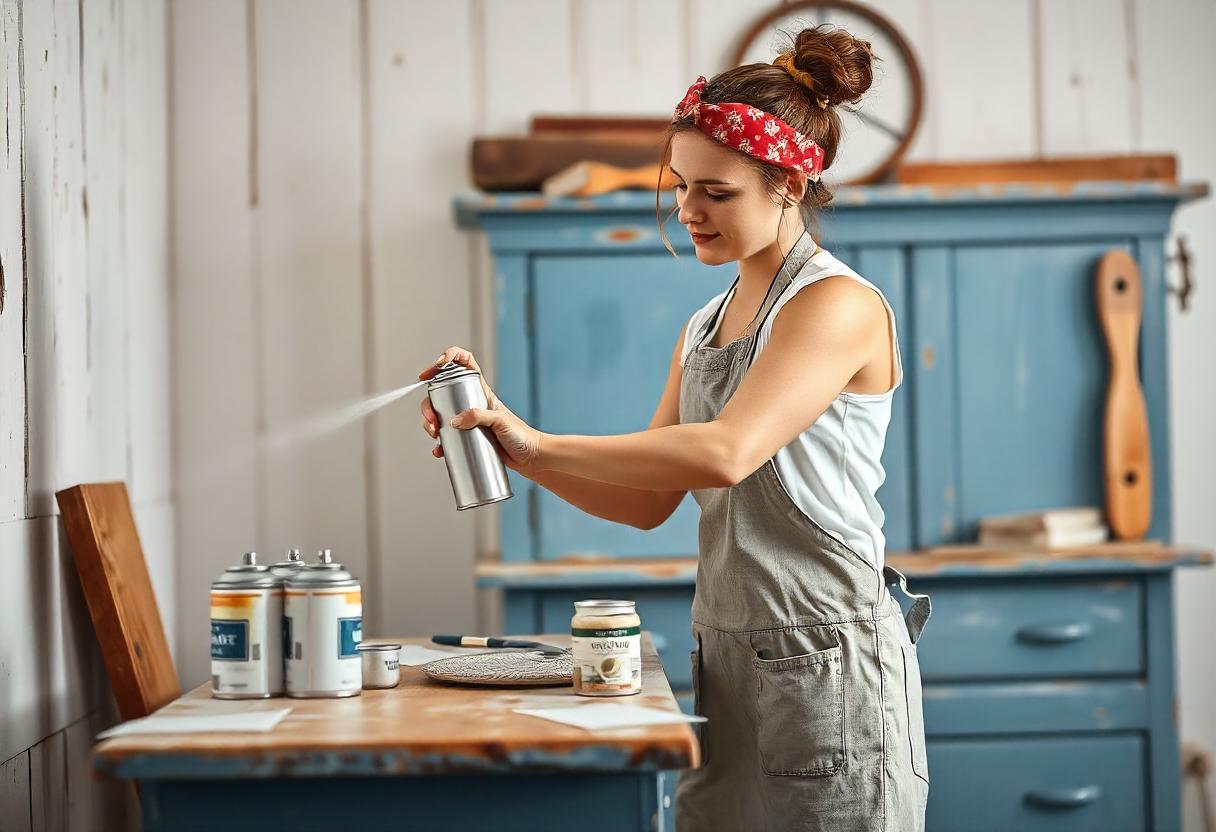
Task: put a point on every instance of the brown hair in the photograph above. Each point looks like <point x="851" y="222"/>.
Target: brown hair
<point x="841" y="68"/>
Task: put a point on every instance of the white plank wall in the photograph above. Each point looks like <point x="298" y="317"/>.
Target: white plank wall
<point x="1173" y="63"/>
<point x="316" y="147"/>
<point x="84" y="371"/>
<point x="146" y="251"/>
<point x="12" y="293"/>
<point x="310" y="273"/>
<point x="419" y="304"/>
<point x="57" y="361"/>
<point x="216" y="347"/>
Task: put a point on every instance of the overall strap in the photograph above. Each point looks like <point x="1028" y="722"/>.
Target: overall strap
<point x="790" y="268"/>
<point x="713" y="319"/>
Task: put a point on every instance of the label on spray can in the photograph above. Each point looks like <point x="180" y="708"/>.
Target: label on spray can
<point x="229" y="640"/>
<point x="246" y="657"/>
<point x="325" y="629"/>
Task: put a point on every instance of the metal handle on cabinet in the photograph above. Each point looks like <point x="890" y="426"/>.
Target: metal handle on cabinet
<point x="1183" y="290"/>
<point x="1064" y="798"/>
<point x="1056" y="633"/>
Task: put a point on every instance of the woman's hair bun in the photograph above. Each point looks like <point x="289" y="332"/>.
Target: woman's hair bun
<point x="840" y="64"/>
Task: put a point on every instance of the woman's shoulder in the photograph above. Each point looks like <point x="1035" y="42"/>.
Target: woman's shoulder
<point x="834" y="297"/>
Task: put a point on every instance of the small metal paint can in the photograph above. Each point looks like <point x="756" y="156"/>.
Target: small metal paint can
<point x="381" y="665"/>
<point x="474" y="467"/>
<point x="323" y="619"/>
<point x="246" y="632"/>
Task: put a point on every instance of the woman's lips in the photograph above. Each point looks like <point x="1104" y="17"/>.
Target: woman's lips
<point x="701" y="239"/>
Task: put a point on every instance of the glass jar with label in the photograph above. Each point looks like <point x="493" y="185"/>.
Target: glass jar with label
<point x="607" y="645"/>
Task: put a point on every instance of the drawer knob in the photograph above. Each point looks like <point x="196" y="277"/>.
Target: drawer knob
<point x="1064" y="798"/>
<point x="1055" y="633"/>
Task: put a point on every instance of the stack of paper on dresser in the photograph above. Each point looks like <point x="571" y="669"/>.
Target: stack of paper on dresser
<point x="1049" y="529"/>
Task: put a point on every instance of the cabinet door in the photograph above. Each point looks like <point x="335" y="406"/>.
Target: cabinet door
<point x="1011" y="375"/>
<point x="605" y="327"/>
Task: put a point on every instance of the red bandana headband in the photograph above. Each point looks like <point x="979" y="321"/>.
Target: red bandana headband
<point x="752" y="131"/>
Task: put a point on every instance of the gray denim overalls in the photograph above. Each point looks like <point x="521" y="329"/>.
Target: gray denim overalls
<point x="804" y="665"/>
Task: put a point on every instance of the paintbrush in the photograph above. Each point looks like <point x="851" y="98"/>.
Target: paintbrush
<point x="490" y="641"/>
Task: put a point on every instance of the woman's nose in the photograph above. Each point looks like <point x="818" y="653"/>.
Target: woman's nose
<point x="690" y="212"/>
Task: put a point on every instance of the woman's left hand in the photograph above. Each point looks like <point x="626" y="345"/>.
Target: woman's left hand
<point x="519" y="442"/>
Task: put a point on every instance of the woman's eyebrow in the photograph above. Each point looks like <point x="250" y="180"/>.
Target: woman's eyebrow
<point x="702" y="181"/>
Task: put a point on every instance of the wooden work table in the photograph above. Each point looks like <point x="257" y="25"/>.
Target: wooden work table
<point x="428" y="755"/>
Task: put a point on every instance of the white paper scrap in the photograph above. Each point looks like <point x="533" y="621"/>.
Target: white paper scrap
<point x="605" y="716"/>
<point x="242" y="721"/>
<point x="413" y="655"/>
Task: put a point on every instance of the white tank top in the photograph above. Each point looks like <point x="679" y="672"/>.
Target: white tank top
<point x="833" y="469"/>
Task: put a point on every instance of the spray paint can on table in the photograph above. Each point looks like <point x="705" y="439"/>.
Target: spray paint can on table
<point x="477" y="474"/>
<point x="283" y="570"/>
<point x="246" y="632"/>
<point x="323" y="622"/>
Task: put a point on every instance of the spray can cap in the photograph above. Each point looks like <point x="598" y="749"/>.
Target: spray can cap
<point x="448" y="373"/>
<point x="247" y="573"/>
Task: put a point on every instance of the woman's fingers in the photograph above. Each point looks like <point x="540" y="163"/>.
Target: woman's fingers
<point x="430" y="419"/>
<point x="463" y="357"/>
<point x="456" y="355"/>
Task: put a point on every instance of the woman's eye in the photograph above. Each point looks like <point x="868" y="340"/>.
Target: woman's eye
<point x="720" y="197"/>
<point x="680" y="186"/>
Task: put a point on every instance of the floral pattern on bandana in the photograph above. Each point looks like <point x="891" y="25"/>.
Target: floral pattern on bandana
<point x="752" y="131"/>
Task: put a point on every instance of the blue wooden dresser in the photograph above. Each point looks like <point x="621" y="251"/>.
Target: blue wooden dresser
<point x="1049" y="681"/>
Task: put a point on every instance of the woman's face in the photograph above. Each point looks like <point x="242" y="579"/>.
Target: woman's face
<point x="723" y="201"/>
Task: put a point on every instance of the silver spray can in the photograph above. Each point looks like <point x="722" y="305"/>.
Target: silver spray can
<point x="477" y="474"/>
<point x="246" y="632"/>
<point x="324" y="626"/>
<point x="283" y="570"/>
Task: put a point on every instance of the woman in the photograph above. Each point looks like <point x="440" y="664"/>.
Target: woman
<point x="774" y="415"/>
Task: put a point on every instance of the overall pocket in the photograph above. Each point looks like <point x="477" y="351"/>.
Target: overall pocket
<point x="800" y="713"/>
<point x="698" y="704"/>
<point x="916" y="715"/>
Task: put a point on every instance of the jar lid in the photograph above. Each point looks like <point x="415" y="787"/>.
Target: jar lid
<point x="606" y="607"/>
<point x="365" y="647"/>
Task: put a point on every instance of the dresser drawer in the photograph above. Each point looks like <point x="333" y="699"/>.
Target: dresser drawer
<point x="664" y="612"/>
<point x="1033" y="629"/>
<point x="1068" y="785"/>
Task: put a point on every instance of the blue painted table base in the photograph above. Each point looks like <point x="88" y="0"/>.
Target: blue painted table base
<point x="472" y="803"/>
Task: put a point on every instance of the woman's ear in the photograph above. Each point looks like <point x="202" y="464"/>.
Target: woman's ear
<point x="795" y="187"/>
